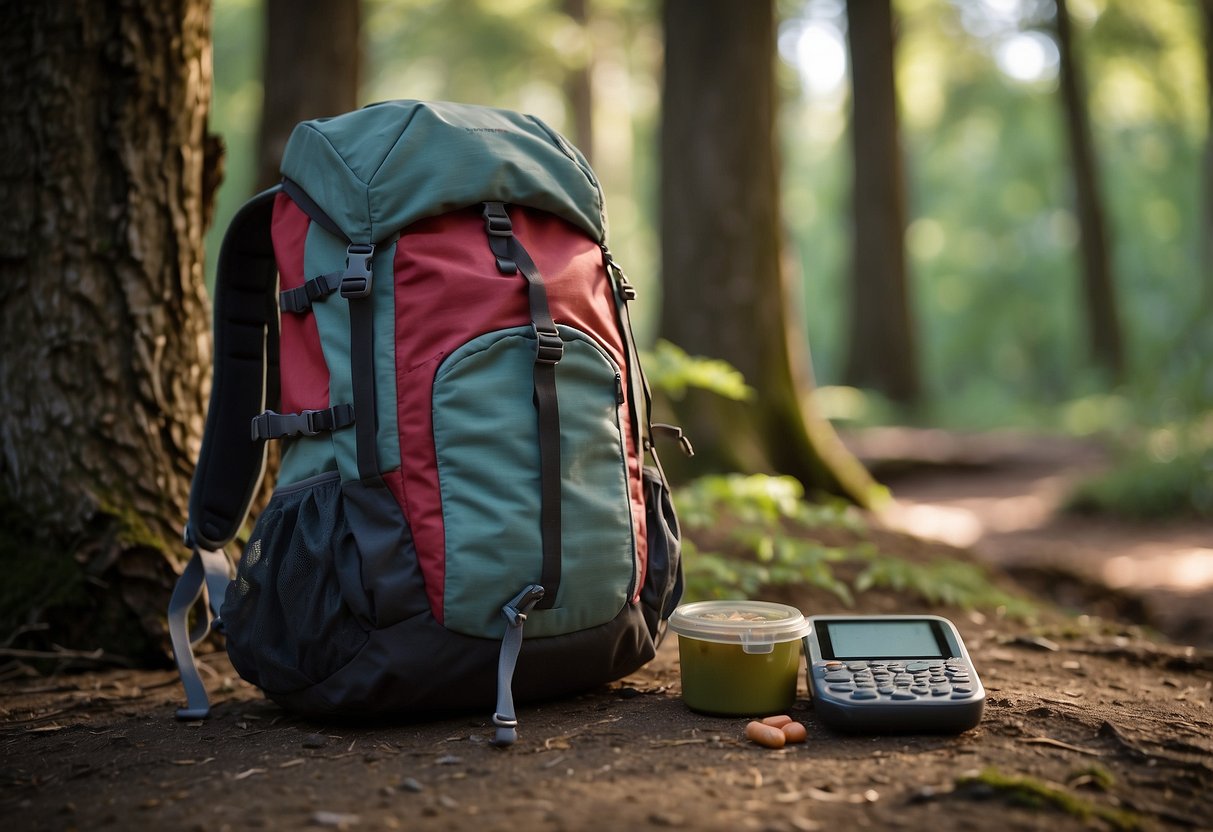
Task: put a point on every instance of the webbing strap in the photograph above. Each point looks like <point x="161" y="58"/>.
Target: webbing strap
<point x="549" y="349"/>
<point x="515" y="613"/>
<point x="271" y="425"/>
<point x="356" y="288"/>
<point x="207" y="569"/>
<point x="301" y="298"/>
<point x="641" y="404"/>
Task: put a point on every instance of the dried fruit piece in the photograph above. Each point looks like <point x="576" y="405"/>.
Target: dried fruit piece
<point x="777" y="721"/>
<point x="765" y="735"/>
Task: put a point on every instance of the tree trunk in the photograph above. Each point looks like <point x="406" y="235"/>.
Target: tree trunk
<point x="726" y="292"/>
<point x="578" y="89"/>
<point x="1206" y="237"/>
<point x="107" y="177"/>
<point x="882" y="351"/>
<point x="312" y="66"/>
<point x="1099" y="292"/>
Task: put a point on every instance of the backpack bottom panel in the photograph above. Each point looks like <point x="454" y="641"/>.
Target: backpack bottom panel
<point x="420" y="666"/>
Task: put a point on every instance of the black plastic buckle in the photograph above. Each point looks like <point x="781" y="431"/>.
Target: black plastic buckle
<point x="261" y="428"/>
<point x="356" y="280"/>
<point x="313" y="423"/>
<point x="626" y="290"/>
<point x="497" y="221"/>
<point x="675" y="432"/>
<point x="550" y="348"/>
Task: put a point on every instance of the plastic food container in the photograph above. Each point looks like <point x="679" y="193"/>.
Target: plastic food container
<point x="739" y="657"/>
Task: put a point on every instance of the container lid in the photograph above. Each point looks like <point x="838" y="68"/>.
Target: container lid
<point x="752" y="624"/>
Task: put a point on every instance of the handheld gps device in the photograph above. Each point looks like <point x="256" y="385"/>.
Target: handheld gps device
<point x="891" y="673"/>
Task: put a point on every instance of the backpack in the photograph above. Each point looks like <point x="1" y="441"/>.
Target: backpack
<point x="427" y="317"/>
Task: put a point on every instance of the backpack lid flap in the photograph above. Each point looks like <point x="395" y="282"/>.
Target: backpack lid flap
<point x="377" y="170"/>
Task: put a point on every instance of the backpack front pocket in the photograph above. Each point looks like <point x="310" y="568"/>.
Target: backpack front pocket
<point x="487" y="444"/>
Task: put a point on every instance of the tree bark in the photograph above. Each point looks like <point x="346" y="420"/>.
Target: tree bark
<point x="1099" y="291"/>
<point x="107" y="177"/>
<point x="882" y="349"/>
<point x="312" y="67"/>
<point x="1206" y="254"/>
<point x="726" y="291"/>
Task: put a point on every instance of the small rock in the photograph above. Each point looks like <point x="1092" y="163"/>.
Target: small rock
<point x="448" y="760"/>
<point x="1037" y="642"/>
<point x="335" y="820"/>
<point x="410" y="784"/>
<point x="315" y="741"/>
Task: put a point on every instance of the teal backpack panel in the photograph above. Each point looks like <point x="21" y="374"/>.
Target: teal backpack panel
<point x="377" y="170"/>
<point x="488" y="469"/>
<point x="325" y="253"/>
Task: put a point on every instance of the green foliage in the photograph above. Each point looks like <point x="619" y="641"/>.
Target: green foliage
<point x="941" y="581"/>
<point x="1037" y="794"/>
<point x="766" y="517"/>
<point x="671" y="370"/>
<point x="1168" y="472"/>
<point x="762" y="534"/>
<point x="992" y="235"/>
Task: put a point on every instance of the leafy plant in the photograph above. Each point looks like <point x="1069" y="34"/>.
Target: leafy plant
<point x="761" y="532"/>
<point x="672" y="370"/>
<point x="942" y="581"/>
<point x="1166" y="473"/>
<point x="760" y="515"/>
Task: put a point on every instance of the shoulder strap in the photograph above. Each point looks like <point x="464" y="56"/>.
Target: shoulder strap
<point x="245" y="378"/>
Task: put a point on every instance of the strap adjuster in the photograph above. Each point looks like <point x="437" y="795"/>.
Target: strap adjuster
<point x="271" y="425"/>
<point x="497" y="221"/>
<point x="301" y="298"/>
<point x="356" y="280"/>
<point x="549" y="347"/>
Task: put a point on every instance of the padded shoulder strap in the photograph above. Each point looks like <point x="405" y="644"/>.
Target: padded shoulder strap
<point x="246" y="358"/>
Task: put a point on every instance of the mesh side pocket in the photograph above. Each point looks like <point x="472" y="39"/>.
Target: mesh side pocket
<point x="287" y="615"/>
<point x="662" y="587"/>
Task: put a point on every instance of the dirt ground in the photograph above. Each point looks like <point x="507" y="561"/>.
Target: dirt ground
<point x="1089" y="723"/>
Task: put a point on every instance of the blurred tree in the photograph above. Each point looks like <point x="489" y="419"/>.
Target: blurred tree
<point x="1206" y="236"/>
<point x="578" y="89"/>
<point x="1099" y="290"/>
<point x="882" y="349"/>
<point x="108" y="175"/>
<point x="726" y="292"/>
<point x="313" y="56"/>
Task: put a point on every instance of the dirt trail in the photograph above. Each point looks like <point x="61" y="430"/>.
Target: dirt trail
<point x="1000" y="494"/>
<point x="1089" y="724"/>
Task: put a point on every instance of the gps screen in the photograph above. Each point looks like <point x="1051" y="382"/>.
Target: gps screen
<point x="881" y="639"/>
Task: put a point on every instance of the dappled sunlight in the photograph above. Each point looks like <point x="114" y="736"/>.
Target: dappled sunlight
<point x="965" y="522"/>
<point x="947" y="524"/>
<point x="1188" y="570"/>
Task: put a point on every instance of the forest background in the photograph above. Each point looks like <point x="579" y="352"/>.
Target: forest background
<point x="979" y="213"/>
<point x="992" y="234"/>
